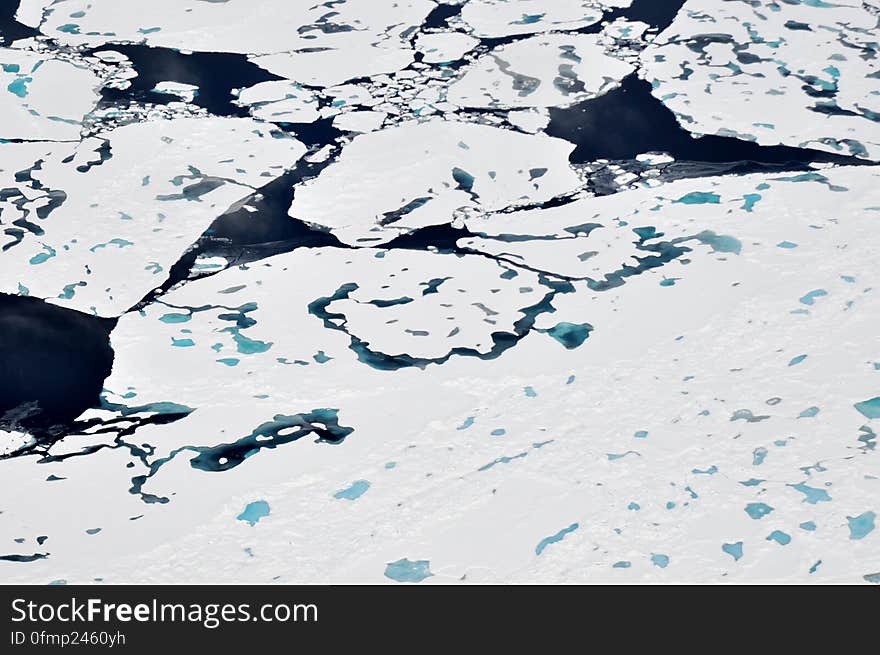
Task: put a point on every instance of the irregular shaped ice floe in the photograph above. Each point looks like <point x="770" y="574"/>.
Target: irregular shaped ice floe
<point x="529" y="120"/>
<point x="360" y="121"/>
<point x="280" y="101"/>
<point x="796" y="73"/>
<point x="329" y="66"/>
<point x="183" y="91"/>
<point x="101" y="223"/>
<point x="495" y="18"/>
<point x="413" y="308"/>
<point x="11" y="441"/>
<point x="606" y="239"/>
<point x="419" y="174"/>
<point x="444" y="47"/>
<point x="232" y="26"/>
<point x="541" y="71"/>
<point x="42" y="97"/>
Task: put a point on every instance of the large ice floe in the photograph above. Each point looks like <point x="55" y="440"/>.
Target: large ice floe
<point x="499" y="18"/>
<point x="44" y="97"/>
<point x="800" y="73"/>
<point x="422" y="173"/>
<point x="423" y="292"/>
<point x="517" y="75"/>
<point x="119" y="208"/>
<point x="239" y="26"/>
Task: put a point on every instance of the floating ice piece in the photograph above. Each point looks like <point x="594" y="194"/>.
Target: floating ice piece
<point x="280" y="101"/>
<point x="42" y="97"/>
<point x="624" y="30"/>
<point x="419" y="174"/>
<point x="739" y="69"/>
<point x="494" y="18"/>
<point x="11" y="441"/>
<point x="184" y="91"/>
<point x="529" y="120"/>
<point x="360" y="121"/>
<point x="110" y="56"/>
<point x="654" y="158"/>
<point x="553" y="70"/>
<point x="239" y="26"/>
<point x="149" y="190"/>
<point x="444" y="47"/>
<point x="327" y="67"/>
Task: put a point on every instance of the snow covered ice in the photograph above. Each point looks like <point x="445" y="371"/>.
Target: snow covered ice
<point x="416" y="292"/>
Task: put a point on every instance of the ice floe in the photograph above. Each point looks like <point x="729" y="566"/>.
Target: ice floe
<point x="444" y="47"/>
<point x="280" y="101"/>
<point x="419" y="174"/>
<point x="541" y="71"/>
<point x="797" y="73"/>
<point x="136" y="198"/>
<point x="232" y="26"/>
<point x="495" y="18"/>
<point x="43" y="97"/>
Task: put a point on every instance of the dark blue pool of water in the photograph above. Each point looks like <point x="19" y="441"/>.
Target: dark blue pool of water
<point x="658" y="14"/>
<point x="215" y="73"/>
<point x="53" y="362"/>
